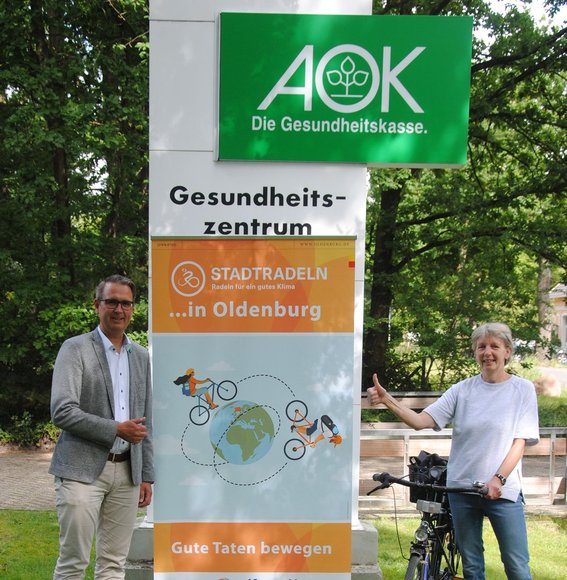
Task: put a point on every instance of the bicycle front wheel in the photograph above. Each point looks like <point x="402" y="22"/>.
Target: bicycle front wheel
<point x="416" y="569"/>
<point x="226" y="390"/>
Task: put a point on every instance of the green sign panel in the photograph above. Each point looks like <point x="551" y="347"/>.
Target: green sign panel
<point x="380" y="90"/>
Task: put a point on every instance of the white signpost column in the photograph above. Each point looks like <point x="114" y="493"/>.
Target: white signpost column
<point x="257" y="289"/>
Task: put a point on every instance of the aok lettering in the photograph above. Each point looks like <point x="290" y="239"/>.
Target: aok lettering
<point x="389" y="77"/>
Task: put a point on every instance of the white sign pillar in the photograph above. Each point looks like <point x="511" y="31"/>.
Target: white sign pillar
<point x="196" y="199"/>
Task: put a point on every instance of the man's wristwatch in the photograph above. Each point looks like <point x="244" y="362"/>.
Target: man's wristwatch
<point x="501" y="478"/>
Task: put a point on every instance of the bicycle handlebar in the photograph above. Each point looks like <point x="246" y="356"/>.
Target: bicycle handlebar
<point x="386" y="481"/>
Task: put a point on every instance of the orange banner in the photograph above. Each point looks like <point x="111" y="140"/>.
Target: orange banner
<point x="262" y="547"/>
<point x="253" y="285"/>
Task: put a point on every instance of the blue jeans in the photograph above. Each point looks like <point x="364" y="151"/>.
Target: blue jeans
<point x="509" y="525"/>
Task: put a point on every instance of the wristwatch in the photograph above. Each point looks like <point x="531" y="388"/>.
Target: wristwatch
<point x="501" y="478"/>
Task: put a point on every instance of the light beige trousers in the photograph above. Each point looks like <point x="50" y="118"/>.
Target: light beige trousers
<point x="107" y="507"/>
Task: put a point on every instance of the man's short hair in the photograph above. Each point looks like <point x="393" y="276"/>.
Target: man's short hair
<point x="114" y="279"/>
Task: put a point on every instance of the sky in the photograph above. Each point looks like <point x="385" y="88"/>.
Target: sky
<point x="536" y="7"/>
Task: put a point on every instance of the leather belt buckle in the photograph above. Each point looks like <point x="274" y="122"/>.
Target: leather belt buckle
<point x="119" y="457"/>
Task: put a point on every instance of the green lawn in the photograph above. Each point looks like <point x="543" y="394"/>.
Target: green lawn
<point x="547" y="538"/>
<point x="28" y="546"/>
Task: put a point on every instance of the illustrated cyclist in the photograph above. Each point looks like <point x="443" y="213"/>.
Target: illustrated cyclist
<point x="189" y="388"/>
<point x="309" y="428"/>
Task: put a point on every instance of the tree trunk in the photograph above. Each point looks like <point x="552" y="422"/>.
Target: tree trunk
<point x="544" y="311"/>
<point x="49" y="39"/>
<point x="381" y="295"/>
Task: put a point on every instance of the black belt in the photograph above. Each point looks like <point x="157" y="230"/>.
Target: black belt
<point x="119" y="457"/>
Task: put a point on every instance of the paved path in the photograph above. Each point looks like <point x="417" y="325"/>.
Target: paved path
<point x="26" y="484"/>
<point x="24" y="481"/>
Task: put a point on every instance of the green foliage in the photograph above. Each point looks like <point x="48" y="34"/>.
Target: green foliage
<point x="29" y="390"/>
<point x="5" y="437"/>
<point x="25" y="432"/>
<point x="47" y="432"/>
<point x="59" y="323"/>
<point x="552" y="411"/>
<point x="378" y="416"/>
<point x="138" y="329"/>
<point x="73" y="177"/>
<point x="446" y="249"/>
<point x="449" y="249"/>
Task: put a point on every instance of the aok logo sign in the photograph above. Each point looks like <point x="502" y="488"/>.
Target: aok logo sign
<point x="388" y="90"/>
<point x="347" y="79"/>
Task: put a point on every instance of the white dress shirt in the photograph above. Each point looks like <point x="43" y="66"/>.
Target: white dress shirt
<point x="120" y="375"/>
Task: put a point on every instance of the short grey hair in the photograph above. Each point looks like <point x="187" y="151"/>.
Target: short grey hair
<point x="496" y="329"/>
<point x="114" y="279"/>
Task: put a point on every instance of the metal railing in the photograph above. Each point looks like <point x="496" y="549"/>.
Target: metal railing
<point x="404" y="442"/>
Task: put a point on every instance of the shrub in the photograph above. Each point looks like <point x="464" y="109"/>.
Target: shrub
<point x="24" y="431"/>
<point x="5" y="437"/>
<point x="47" y="432"/>
<point x="552" y="411"/>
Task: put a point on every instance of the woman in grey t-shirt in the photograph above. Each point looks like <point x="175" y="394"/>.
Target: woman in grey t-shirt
<point x="494" y="416"/>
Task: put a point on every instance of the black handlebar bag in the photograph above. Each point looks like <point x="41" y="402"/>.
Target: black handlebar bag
<point x="427" y="468"/>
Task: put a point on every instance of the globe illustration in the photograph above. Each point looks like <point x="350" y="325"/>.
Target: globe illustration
<point x="241" y="432"/>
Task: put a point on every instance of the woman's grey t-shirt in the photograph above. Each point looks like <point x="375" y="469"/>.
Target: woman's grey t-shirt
<point x="486" y="418"/>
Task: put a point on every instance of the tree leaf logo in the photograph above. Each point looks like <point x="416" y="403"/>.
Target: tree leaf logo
<point x="348" y="80"/>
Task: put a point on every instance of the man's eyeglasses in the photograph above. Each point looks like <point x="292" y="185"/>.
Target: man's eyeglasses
<point x="113" y="304"/>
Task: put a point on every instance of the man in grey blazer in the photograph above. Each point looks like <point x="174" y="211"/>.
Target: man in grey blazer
<point x="103" y="461"/>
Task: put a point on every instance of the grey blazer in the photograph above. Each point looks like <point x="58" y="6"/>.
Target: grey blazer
<point x="82" y="405"/>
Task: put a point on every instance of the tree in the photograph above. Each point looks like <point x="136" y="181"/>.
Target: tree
<point x="450" y="249"/>
<point x="73" y="175"/>
<point x="73" y="191"/>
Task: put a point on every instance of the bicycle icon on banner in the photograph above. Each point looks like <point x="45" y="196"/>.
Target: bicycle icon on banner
<point x="310" y="432"/>
<point x="188" y="278"/>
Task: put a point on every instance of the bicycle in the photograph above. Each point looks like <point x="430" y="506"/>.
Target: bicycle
<point x="294" y="449"/>
<point x="200" y="413"/>
<point x="296" y="412"/>
<point x="433" y="553"/>
<point x="188" y="278"/>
